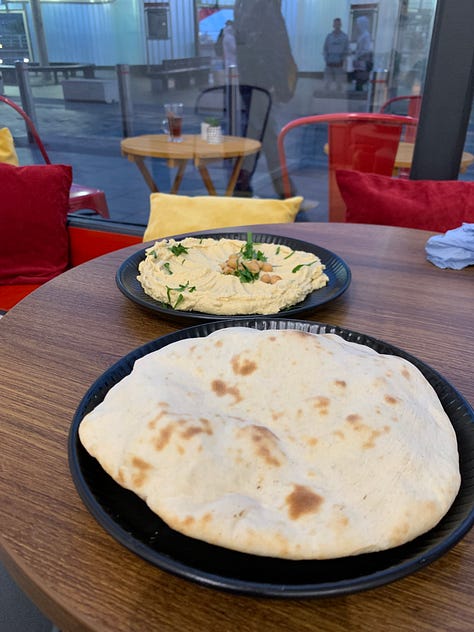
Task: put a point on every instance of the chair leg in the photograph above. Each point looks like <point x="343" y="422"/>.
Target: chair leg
<point x="95" y="200"/>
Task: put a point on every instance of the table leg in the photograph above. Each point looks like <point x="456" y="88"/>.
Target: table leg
<point x="139" y="161"/>
<point x="234" y="175"/>
<point x="206" y="178"/>
<point x="179" y="176"/>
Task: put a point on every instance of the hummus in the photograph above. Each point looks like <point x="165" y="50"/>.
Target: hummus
<point x="229" y="276"/>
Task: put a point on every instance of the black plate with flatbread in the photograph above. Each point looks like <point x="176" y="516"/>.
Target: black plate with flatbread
<point x="131" y="522"/>
<point x="337" y="271"/>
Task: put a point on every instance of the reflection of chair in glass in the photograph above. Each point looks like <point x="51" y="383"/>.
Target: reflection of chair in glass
<point x="405" y="105"/>
<point x="357" y="141"/>
<point x="80" y="196"/>
<point x="242" y="110"/>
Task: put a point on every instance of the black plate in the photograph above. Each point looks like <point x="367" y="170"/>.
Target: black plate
<point x="337" y="271"/>
<point x="129" y="520"/>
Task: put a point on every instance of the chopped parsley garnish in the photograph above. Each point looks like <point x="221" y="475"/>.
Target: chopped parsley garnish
<point x="248" y="251"/>
<point x="296" y="268"/>
<point x="181" y="288"/>
<point x="180" y="298"/>
<point x="179" y="250"/>
<point x="245" y="275"/>
<point x="166" y="266"/>
<point x="154" y="254"/>
<point x="277" y="251"/>
<point x="290" y="255"/>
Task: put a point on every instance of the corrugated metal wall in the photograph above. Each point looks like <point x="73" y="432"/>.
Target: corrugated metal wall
<point x="111" y="33"/>
<point x="115" y="32"/>
<point x="181" y="30"/>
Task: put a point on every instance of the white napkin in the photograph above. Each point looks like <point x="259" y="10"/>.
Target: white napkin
<point x="454" y="249"/>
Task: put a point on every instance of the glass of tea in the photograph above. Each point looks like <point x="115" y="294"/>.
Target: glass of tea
<point x="174" y="121"/>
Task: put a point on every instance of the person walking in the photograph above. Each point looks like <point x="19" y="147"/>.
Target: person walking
<point x="335" y="52"/>
<point x="265" y="60"/>
<point x="229" y="45"/>
<point x="364" y="53"/>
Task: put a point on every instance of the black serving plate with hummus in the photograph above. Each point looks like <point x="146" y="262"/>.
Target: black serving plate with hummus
<point x="337" y="270"/>
<point x="128" y="519"/>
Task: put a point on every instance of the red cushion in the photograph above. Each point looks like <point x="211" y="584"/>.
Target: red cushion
<point x="34" y="202"/>
<point x="437" y="205"/>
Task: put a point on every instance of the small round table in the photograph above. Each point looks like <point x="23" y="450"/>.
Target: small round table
<point x="192" y="147"/>
<point x="404" y="157"/>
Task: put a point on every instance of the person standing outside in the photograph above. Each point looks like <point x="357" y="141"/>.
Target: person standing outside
<point x="364" y="53"/>
<point x="229" y="45"/>
<point x="335" y="52"/>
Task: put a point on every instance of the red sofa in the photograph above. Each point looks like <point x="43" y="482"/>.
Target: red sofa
<point x="88" y="238"/>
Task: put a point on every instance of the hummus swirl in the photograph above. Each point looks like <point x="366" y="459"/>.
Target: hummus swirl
<point x="192" y="275"/>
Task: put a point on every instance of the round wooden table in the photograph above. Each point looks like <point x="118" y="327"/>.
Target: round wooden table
<point x="58" y="340"/>
<point x="192" y="147"/>
<point x="404" y="157"/>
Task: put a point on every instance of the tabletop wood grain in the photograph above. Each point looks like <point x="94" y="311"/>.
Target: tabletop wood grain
<point x="192" y="147"/>
<point x="57" y="341"/>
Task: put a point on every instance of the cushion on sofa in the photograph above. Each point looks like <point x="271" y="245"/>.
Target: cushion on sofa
<point x="33" y="212"/>
<point x="7" y="147"/>
<point x="176" y="214"/>
<point x="437" y="205"/>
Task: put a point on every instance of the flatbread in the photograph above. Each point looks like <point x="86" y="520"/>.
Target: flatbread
<point x="280" y="443"/>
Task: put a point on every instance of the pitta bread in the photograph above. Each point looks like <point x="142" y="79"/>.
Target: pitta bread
<point x="280" y="443"/>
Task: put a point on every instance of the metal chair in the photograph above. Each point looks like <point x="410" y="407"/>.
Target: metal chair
<point x="405" y="105"/>
<point x="357" y="141"/>
<point x="242" y="109"/>
<point x="80" y="196"/>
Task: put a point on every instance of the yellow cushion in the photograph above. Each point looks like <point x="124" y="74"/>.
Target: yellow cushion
<point x="176" y="214"/>
<point x="7" y="147"/>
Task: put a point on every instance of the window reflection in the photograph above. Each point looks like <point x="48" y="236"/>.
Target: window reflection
<point x="142" y="35"/>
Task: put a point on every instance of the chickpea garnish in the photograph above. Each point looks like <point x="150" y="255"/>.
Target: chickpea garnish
<point x="252" y="265"/>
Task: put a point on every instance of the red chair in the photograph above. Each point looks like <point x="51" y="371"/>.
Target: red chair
<point x="405" y="105"/>
<point x="80" y="197"/>
<point x="357" y="141"/>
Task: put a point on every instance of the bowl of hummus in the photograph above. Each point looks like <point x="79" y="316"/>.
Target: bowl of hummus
<point x="232" y="274"/>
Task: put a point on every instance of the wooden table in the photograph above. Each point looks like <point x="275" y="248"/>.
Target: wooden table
<point x="404" y="157"/>
<point x="192" y="147"/>
<point x="57" y="341"/>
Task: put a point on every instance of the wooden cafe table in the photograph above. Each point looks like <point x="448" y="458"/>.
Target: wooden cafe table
<point x="404" y="157"/>
<point x="62" y="337"/>
<point x="191" y="148"/>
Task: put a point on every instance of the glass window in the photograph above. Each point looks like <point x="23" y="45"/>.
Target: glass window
<point x="102" y="71"/>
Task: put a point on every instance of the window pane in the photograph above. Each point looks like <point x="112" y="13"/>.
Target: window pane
<point x="147" y="54"/>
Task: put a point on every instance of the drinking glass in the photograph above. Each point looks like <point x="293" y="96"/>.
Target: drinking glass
<point x="174" y="121"/>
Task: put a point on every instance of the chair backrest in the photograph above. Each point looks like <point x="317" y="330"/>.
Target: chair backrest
<point x="365" y="142"/>
<point x="218" y="101"/>
<point x="32" y="131"/>
<point x="405" y="105"/>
